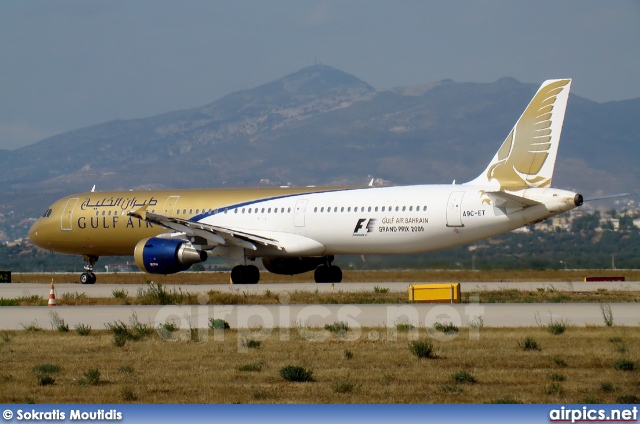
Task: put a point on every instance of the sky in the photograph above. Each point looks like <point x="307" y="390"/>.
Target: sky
<point x="70" y="64"/>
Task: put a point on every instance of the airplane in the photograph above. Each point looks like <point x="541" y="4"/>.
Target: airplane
<point x="296" y="230"/>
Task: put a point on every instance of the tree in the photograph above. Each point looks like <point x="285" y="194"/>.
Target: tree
<point x="586" y="223"/>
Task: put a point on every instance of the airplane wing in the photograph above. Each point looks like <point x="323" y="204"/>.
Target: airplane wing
<point x="215" y="235"/>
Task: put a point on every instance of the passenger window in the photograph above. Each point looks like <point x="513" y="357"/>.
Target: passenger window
<point x="376" y="209"/>
<point x="242" y="210"/>
<point x="362" y="209"/>
<point x="349" y="209"/>
<point x="397" y="208"/>
<point x="197" y="211"/>
<point x="329" y="209"/>
<point x="410" y="208"/>
<point x="322" y="209"/>
<point x="404" y="208"/>
<point x="383" y="209"/>
<point x="342" y="209"/>
<point x="289" y="210"/>
<point x="424" y="208"/>
<point x="190" y="211"/>
<point x="275" y="210"/>
<point x="103" y="212"/>
<point x="315" y="209"/>
<point x="282" y="210"/>
<point x="269" y="210"/>
<point x="249" y="211"/>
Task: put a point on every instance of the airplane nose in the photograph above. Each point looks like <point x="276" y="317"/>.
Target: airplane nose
<point x="34" y="232"/>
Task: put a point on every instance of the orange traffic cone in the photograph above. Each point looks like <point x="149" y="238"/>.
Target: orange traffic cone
<point x="52" y="295"/>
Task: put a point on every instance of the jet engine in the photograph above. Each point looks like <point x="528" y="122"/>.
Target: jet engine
<point x="291" y="266"/>
<point x="166" y="256"/>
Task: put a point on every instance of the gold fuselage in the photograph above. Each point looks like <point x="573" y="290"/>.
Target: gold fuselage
<point x="97" y="224"/>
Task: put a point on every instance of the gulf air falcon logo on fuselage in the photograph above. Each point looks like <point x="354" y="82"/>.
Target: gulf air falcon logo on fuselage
<point x="364" y="226"/>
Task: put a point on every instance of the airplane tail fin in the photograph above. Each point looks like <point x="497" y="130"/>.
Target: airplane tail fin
<point x="527" y="157"/>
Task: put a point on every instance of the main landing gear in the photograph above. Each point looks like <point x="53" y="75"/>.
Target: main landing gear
<point x="324" y="273"/>
<point x="245" y="274"/>
<point x="88" y="277"/>
<point x="328" y="273"/>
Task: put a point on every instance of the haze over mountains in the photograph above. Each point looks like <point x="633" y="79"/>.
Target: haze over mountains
<point x="321" y="126"/>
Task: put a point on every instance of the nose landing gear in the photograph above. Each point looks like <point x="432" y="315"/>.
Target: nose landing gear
<point x="88" y="277"/>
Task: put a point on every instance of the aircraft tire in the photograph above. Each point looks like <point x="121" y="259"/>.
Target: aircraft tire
<point x="335" y="274"/>
<point x="253" y="274"/>
<point x="87" y="278"/>
<point x="327" y="274"/>
<point x="242" y="274"/>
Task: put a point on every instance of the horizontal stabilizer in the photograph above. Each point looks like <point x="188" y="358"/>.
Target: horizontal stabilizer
<point x="500" y="199"/>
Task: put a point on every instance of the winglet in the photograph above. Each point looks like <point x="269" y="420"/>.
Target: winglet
<point x="139" y="213"/>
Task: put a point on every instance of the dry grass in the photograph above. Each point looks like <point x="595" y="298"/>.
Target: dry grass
<point x="348" y="276"/>
<point x="338" y="297"/>
<point x="381" y="370"/>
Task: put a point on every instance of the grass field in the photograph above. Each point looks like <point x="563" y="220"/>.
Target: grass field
<point x="348" y="276"/>
<point x="580" y="365"/>
<point x="159" y="295"/>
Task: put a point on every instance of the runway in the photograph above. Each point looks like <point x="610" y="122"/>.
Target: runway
<point x="312" y="316"/>
<point x="15" y="290"/>
<point x="316" y="316"/>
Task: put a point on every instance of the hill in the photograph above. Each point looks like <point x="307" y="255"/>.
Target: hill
<point x="321" y="126"/>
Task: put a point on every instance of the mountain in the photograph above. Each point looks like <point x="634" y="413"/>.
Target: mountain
<point x="322" y="126"/>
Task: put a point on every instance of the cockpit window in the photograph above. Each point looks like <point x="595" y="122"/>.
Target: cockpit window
<point x="47" y="213"/>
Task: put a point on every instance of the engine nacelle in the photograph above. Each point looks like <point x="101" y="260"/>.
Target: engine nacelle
<point x="291" y="266"/>
<point x="166" y="256"/>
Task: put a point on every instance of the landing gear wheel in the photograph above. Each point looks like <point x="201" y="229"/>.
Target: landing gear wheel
<point x="328" y="274"/>
<point x="87" y="278"/>
<point x="254" y="274"/>
<point x="245" y="274"/>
